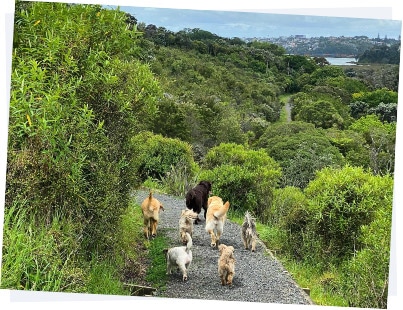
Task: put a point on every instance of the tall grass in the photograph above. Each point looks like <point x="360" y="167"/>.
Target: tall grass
<point x="179" y="180"/>
<point x="104" y="278"/>
<point x="42" y="256"/>
<point x="36" y="255"/>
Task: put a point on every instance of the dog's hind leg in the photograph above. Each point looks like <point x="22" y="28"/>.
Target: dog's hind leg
<point x="220" y="228"/>
<point x="153" y="224"/>
<point x="223" y="276"/>
<point x="245" y="242"/>
<point x="253" y="244"/>
<point x="229" y="278"/>
<point x="169" y="265"/>
<point x="146" y="228"/>
<point x="182" y="268"/>
<point x="213" y="238"/>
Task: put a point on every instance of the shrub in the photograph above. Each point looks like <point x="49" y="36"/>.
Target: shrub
<point x="155" y="156"/>
<point x="365" y="276"/>
<point x="77" y="95"/>
<point x="244" y="177"/>
<point x="301" y="150"/>
<point x="289" y="214"/>
<point x="341" y="201"/>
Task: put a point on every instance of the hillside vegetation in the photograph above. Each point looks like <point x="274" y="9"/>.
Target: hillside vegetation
<point x="102" y="104"/>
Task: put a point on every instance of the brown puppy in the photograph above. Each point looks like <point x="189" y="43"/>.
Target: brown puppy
<point x="186" y="224"/>
<point x="226" y="264"/>
<point x="151" y="208"/>
<point x="215" y="218"/>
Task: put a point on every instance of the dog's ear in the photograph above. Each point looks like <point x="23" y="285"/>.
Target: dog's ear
<point x="162" y="207"/>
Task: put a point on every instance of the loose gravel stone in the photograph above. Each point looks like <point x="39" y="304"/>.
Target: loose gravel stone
<point x="259" y="277"/>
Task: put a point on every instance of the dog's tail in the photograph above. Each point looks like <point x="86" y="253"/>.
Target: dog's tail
<point x="222" y="211"/>
<point x="249" y="220"/>
<point x="150" y="195"/>
<point x="189" y="243"/>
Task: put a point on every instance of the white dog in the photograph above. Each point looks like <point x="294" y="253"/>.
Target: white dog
<point x="180" y="257"/>
<point x="186" y="221"/>
<point x="248" y="231"/>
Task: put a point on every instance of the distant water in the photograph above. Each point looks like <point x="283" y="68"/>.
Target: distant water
<point x="340" y="61"/>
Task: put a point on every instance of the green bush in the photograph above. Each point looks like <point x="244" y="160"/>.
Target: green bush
<point x="365" y="276"/>
<point x="155" y="156"/>
<point x="289" y="214"/>
<point x="341" y="201"/>
<point x="301" y="150"/>
<point x="244" y="177"/>
<point x="78" y="94"/>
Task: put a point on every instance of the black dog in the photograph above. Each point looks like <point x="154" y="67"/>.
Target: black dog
<point x="197" y="197"/>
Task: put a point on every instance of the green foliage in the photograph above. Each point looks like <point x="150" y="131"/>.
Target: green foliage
<point x="320" y="113"/>
<point x="341" y="201"/>
<point x="379" y="141"/>
<point x="323" y="106"/>
<point x="351" y="145"/>
<point x="381" y="54"/>
<point x="77" y="95"/>
<point x="156" y="155"/>
<point x="381" y="102"/>
<point x="374" y="98"/>
<point x="365" y="277"/>
<point x="244" y="177"/>
<point x="40" y="256"/>
<point x="301" y="150"/>
<point x="156" y="274"/>
<point x="104" y="278"/>
<point x="323" y="73"/>
<point x="289" y="215"/>
<point x="178" y="181"/>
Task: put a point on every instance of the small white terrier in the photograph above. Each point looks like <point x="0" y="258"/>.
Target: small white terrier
<point x="180" y="257"/>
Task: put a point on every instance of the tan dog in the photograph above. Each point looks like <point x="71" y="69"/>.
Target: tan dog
<point x="215" y="218"/>
<point x="226" y="264"/>
<point x="186" y="221"/>
<point x="151" y="208"/>
<point x="248" y="232"/>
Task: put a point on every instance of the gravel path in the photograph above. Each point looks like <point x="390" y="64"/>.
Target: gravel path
<point x="258" y="276"/>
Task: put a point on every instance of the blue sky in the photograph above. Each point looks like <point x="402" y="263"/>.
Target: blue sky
<point x="255" y="24"/>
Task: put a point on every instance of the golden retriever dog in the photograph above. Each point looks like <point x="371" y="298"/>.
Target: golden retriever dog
<point x="215" y="218"/>
<point x="150" y="208"/>
<point x="180" y="257"/>
<point x="226" y="264"/>
<point x="186" y="221"/>
<point x="248" y="232"/>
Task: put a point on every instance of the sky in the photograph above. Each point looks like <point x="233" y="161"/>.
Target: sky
<point x="257" y="24"/>
<point x="354" y="17"/>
